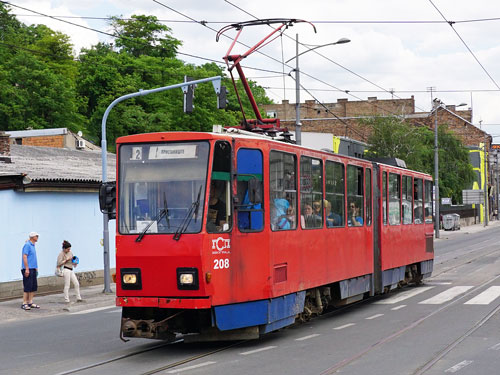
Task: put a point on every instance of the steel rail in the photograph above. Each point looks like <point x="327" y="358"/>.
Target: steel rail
<point x="333" y="369"/>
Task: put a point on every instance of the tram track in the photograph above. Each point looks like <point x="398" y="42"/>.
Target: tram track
<point x="454" y="344"/>
<point x="103" y="363"/>
<point x="421" y="370"/>
<point x="339" y="365"/>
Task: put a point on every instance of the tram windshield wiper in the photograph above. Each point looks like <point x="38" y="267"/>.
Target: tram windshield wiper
<point x="187" y="219"/>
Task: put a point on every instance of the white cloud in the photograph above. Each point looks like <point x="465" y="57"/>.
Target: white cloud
<point x="401" y="56"/>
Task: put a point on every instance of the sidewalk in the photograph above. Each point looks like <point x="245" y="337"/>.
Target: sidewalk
<point x="445" y="234"/>
<point x="53" y="304"/>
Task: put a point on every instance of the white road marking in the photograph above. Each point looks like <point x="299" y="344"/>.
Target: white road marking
<point x="459" y="366"/>
<point x="439" y="282"/>
<point x="345" y="326"/>
<point x="446" y="296"/>
<point x="402" y="296"/>
<point x="398" y="307"/>
<point x="191" y="367"/>
<point x="258" y="350"/>
<point x="92" y="310"/>
<point x="374" y="316"/>
<point x="495" y="347"/>
<point x="308" y="337"/>
<point x="486" y="297"/>
<point x="114" y="311"/>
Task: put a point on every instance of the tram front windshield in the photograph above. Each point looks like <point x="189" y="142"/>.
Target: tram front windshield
<point x="162" y="187"/>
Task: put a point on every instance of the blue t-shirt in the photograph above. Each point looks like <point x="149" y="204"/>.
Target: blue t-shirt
<point x="29" y="250"/>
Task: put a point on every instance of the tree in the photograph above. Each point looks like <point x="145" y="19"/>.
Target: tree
<point x="144" y="35"/>
<point x="394" y="138"/>
<point x="37" y="77"/>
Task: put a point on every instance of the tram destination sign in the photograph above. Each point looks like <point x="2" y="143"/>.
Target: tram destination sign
<point x="475" y="196"/>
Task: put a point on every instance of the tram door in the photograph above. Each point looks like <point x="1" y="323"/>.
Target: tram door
<point x="248" y="238"/>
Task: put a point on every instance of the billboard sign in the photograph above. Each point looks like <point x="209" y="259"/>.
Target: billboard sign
<point x="475" y="196"/>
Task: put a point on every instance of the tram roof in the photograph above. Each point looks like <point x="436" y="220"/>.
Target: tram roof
<point x="183" y="136"/>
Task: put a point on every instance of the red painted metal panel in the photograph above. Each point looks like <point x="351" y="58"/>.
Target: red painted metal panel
<point x="236" y="267"/>
<point x="402" y="244"/>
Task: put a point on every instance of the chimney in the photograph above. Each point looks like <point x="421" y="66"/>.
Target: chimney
<point x="4" y="147"/>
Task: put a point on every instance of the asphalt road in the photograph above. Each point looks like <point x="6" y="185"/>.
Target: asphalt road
<point x="449" y="325"/>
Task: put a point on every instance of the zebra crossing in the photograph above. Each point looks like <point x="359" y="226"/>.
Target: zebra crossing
<point x="486" y="297"/>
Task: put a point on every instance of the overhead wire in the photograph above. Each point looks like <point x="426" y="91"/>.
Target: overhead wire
<point x="115" y="36"/>
<point x="207" y="59"/>
<point x="465" y="44"/>
<point x="310" y="76"/>
<point x="314" y="21"/>
<point x="381" y="91"/>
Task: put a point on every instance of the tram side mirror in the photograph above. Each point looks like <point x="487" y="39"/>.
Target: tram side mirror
<point x="254" y="190"/>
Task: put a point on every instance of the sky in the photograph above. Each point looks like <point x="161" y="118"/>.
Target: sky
<point x="397" y="48"/>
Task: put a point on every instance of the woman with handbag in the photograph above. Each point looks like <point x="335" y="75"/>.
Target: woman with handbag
<point x="65" y="260"/>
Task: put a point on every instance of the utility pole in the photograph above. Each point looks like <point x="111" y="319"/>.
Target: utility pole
<point x="298" y="129"/>
<point x="485" y="180"/>
<point x="436" y="104"/>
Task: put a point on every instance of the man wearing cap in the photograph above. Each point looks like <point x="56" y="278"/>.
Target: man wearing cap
<point x="29" y="269"/>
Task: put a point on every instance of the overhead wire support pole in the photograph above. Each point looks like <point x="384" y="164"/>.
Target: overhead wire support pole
<point x="436" y="173"/>
<point x="298" y="125"/>
<point x="486" y="198"/>
<point x="216" y="81"/>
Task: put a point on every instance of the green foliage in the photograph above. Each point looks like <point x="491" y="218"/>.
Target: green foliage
<point x="392" y="137"/>
<point x="144" y="35"/>
<point x="43" y="86"/>
<point x="37" y="86"/>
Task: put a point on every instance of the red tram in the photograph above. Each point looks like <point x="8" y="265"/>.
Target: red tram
<point x="232" y="235"/>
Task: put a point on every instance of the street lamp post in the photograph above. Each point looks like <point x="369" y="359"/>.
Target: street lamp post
<point x="298" y="125"/>
<point x="437" y="104"/>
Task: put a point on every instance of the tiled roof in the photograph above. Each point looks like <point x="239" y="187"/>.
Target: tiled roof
<point x="57" y="164"/>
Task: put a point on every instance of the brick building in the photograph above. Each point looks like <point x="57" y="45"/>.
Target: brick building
<point x="57" y="137"/>
<point x="342" y="119"/>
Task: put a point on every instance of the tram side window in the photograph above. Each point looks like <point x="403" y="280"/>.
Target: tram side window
<point x="368" y="195"/>
<point x="219" y="217"/>
<point x="418" y="199"/>
<point x="428" y="202"/>
<point x="311" y="192"/>
<point x="335" y="194"/>
<point x="355" y="196"/>
<point x="394" y="199"/>
<point x="384" y="196"/>
<point x="249" y="190"/>
<point x="407" y="200"/>
<point x="283" y="190"/>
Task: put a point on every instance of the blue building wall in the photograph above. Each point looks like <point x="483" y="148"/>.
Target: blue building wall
<point x="56" y="216"/>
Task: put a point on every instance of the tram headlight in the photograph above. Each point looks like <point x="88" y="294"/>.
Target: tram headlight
<point x="131" y="278"/>
<point x="187" y="279"/>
